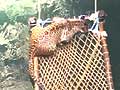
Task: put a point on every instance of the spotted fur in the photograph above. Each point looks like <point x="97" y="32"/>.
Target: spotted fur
<point x="44" y="41"/>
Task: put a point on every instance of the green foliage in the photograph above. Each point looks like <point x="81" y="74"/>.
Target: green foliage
<point x="20" y="10"/>
<point x="3" y="17"/>
<point x="54" y="8"/>
<point x="14" y="42"/>
<point x="17" y="11"/>
<point x="65" y="8"/>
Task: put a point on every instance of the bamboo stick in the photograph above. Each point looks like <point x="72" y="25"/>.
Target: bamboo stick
<point x="36" y="73"/>
<point x="106" y="56"/>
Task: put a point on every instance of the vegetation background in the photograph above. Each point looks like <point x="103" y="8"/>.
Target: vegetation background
<point x="14" y="35"/>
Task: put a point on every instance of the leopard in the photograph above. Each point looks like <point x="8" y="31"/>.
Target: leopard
<point x="44" y="41"/>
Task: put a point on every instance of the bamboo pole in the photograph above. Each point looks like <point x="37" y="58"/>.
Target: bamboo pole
<point x="106" y="56"/>
<point x="36" y="73"/>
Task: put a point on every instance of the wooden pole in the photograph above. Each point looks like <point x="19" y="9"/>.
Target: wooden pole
<point x="106" y="56"/>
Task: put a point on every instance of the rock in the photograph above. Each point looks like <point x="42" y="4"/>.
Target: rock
<point x="14" y="77"/>
<point x="15" y="85"/>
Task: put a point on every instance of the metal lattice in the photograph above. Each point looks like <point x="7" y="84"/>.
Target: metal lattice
<point x="78" y="65"/>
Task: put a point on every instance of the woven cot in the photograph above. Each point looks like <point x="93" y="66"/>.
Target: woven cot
<point x="82" y="64"/>
<point x="76" y="66"/>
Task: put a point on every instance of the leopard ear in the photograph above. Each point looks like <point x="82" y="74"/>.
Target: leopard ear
<point x="102" y="14"/>
<point x="32" y="21"/>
